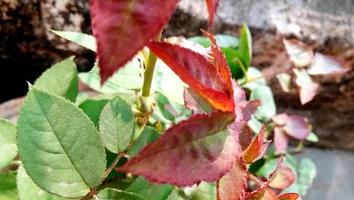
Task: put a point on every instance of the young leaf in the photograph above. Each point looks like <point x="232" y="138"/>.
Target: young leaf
<point x="264" y="193"/>
<point x="281" y="140"/>
<point x="285" y="81"/>
<point x="59" y="146"/>
<point x="212" y="7"/>
<point x="82" y="39"/>
<point x="122" y="28"/>
<point x="8" y="187"/>
<point x="201" y="140"/>
<point x="282" y="177"/>
<point x="289" y="196"/>
<point x="8" y="148"/>
<point x="308" y="88"/>
<point x="61" y="79"/>
<point x="197" y="72"/>
<point x="117" y="125"/>
<point x="232" y="185"/>
<point x="324" y="65"/>
<point x="300" y="53"/>
<point x="245" y="47"/>
<point x="256" y="149"/>
<point x="267" y="109"/>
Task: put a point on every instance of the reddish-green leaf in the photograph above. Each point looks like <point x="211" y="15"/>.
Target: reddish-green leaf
<point x="195" y="70"/>
<point x="212" y="7"/>
<point x="198" y="149"/>
<point x="123" y="27"/>
<point x="232" y="186"/>
<point x="282" y="177"/>
<point x="289" y="196"/>
<point x="256" y="149"/>
<point x="264" y="193"/>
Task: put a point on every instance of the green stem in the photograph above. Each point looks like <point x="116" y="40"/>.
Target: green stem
<point x="149" y="70"/>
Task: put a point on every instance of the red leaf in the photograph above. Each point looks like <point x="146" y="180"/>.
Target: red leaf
<point x="123" y="27"/>
<point x="297" y="127"/>
<point x="193" y="101"/>
<point x="212" y="7"/>
<point x="232" y="186"/>
<point x="195" y="150"/>
<point x="245" y="138"/>
<point x="282" y="177"/>
<point x="289" y="196"/>
<point x="256" y="149"/>
<point x="220" y="63"/>
<point x="197" y="72"/>
<point x="264" y="193"/>
<point x="281" y="140"/>
<point x="324" y="65"/>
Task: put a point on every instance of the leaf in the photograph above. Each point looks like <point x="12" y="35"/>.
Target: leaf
<point x="202" y="191"/>
<point x="148" y="135"/>
<point x="59" y="146"/>
<point x="256" y="149"/>
<point x="267" y="109"/>
<point x="201" y="140"/>
<point x="289" y="196"/>
<point x="117" y="125"/>
<point x="255" y="124"/>
<point x="306" y="174"/>
<point x="149" y="190"/>
<point x="116" y="194"/>
<point x="285" y="81"/>
<point x="82" y="39"/>
<point x="28" y="190"/>
<point x="203" y="41"/>
<point x="93" y="108"/>
<point x="212" y="7"/>
<point x="325" y="65"/>
<point x="61" y="79"/>
<point x="296" y="126"/>
<point x="312" y="137"/>
<point x="281" y="140"/>
<point x="8" y="187"/>
<point x="282" y="177"/>
<point x="245" y="46"/>
<point x="300" y="53"/>
<point x="233" y="60"/>
<point x="122" y="28"/>
<point x="308" y="88"/>
<point x="8" y="148"/>
<point x="255" y="77"/>
<point x="232" y="186"/>
<point x="224" y="41"/>
<point x="264" y="193"/>
<point x="128" y="77"/>
<point x="197" y="72"/>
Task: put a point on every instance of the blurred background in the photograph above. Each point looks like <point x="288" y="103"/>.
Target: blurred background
<point x="27" y="48"/>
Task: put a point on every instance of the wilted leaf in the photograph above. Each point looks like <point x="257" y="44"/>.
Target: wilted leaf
<point x="61" y="79"/>
<point x="267" y="109"/>
<point x="256" y="149"/>
<point x="281" y="140"/>
<point x="65" y="156"/>
<point x="324" y="65"/>
<point x="8" y="187"/>
<point x="8" y="148"/>
<point x="232" y="185"/>
<point x="201" y="140"/>
<point x="282" y="177"/>
<point x="289" y="196"/>
<point x="197" y="72"/>
<point x="264" y="193"/>
<point x="82" y="39"/>
<point x="212" y="7"/>
<point x="285" y="81"/>
<point x="117" y="125"/>
<point x="122" y="28"/>
<point x="300" y="54"/>
<point x="308" y="88"/>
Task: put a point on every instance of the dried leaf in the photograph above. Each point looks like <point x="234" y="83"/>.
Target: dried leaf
<point x="282" y="177"/>
<point x="324" y="65"/>
<point x="122" y="28"/>
<point x="232" y="186"/>
<point x="197" y="72"/>
<point x="201" y="140"/>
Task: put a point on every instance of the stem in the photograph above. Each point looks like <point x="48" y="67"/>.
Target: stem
<point x="149" y="70"/>
<point x="114" y="163"/>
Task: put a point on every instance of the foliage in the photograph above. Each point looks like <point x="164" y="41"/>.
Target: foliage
<point x="171" y="119"/>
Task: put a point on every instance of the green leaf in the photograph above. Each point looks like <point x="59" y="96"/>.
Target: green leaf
<point x="312" y="137"/>
<point x="204" y="191"/>
<point x="306" y="174"/>
<point x="61" y="79"/>
<point x="169" y="111"/>
<point x="245" y="46"/>
<point x="93" y="108"/>
<point x="267" y="108"/>
<point x="28" y="190"/>
<point x="82" y="39"/>
<point x="149" y="190"/>
<point x="8" y="187"/>
<point x="116" y="194"/>
<point x="205" y="42"/>
<point x="255" y="79"/>
<point x="117" y="125"/>
<point x="127" y="78"/>
<point x="233" y="56"/>
<point x="255" y="124"/>
<point x="223" y="41"/>
<point x="148" y="135"/>
<point x="59" y="146"/>
<point x="8" y="148"/>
